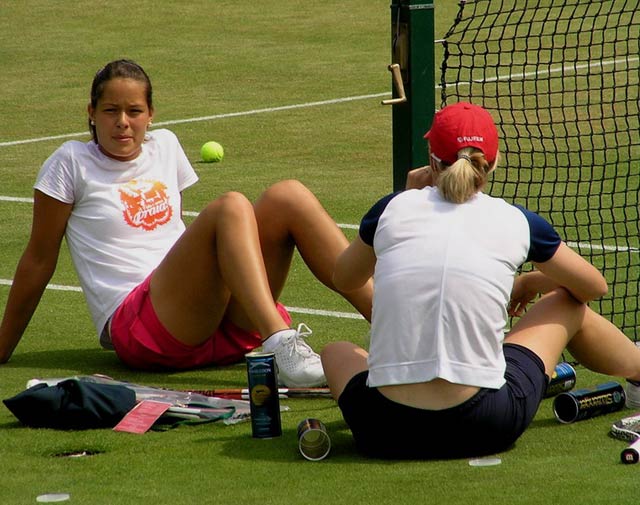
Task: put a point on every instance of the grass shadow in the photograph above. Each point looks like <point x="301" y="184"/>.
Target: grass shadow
<point x="62" y="363"/>
<point x="284" y="449"/>
<point x="86" y="361"/>
<point x="98" y="361"/>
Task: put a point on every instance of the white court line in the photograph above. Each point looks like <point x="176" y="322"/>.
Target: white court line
<point x="333" y="101"/>
<point x="209" y="118"/>
<point x="564" y="69"/>
<point x="296" y="310"/>
<point x="16" y="199"/>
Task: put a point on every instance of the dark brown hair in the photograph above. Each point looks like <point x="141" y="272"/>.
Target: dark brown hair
<point x="124" y="69"/>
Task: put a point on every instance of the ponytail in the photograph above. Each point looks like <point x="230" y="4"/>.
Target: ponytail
<point x="464" y="178"/>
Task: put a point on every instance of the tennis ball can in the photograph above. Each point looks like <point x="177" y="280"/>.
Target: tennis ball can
<point x="589" y="402"/>
<point x="563" y="379"/>
<point x="264" y="401"/>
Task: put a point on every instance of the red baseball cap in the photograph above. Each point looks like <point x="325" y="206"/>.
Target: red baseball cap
<point x="462" y="125"/>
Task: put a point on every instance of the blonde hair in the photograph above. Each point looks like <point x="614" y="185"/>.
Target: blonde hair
<point x="464" y="178"/>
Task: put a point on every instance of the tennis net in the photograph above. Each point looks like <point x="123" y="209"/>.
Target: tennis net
<point x="562" y="80"/>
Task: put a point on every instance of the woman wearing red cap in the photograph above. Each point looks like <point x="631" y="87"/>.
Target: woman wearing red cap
<point x="441" y="379"/>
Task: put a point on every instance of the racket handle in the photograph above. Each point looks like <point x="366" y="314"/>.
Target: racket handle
<point x="631" y="454"/>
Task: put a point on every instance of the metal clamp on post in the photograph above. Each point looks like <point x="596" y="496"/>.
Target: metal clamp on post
<point x="394" y="68"/>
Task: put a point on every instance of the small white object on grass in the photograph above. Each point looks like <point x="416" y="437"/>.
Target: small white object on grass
<point x="52" y="497"/>
<point x="485" y="461"/>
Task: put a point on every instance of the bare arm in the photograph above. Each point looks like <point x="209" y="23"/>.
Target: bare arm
<point x="354" y="266"/>
<point x="566" y="269"/>
<point x="571" y="271"/>
<point x="35" y="269"/>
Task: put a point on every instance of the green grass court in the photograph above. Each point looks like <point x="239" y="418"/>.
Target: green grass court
<point x="291" y="90"/>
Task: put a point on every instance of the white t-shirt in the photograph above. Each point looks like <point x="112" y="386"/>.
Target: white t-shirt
<point x="126" y="214"/>
<point x="443" y="280"/>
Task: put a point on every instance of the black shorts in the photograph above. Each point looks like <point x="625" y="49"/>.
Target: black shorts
<point x="487" y="423"/>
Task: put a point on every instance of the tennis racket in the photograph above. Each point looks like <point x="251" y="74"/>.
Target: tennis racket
<point x="243" y="394"/>
<point x="631" y="454"/>
<point x="628" y="429"/>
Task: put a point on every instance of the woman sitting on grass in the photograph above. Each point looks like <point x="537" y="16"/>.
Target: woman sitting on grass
<point x="162" y="295"/>
<point x="440" y="379"/>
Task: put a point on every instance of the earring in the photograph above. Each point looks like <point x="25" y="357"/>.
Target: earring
<point x="92" y="122"/>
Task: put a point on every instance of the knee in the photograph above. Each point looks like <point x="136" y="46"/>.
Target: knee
<point x="284" y="192"/>
<point x="562" y="296"/>
<point x="341" y="361"/>
<point x="233" y="198"/>
<point x="231" y="209"/>
<point x="336" y="352"/>
<point x="560" y="305"/>
<point x="229" y="203"/>
<point x="328" y="351"/>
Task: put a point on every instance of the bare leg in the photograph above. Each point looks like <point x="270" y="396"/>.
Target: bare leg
<point x="602" y="347"/>
<point x="289" y="216"/>
<point x="557" y="321"/>
<point x="217" y="255"/>
<point x="341" y="361"/>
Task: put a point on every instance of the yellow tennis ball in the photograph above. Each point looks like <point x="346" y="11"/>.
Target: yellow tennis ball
<point x="211" y="151"/>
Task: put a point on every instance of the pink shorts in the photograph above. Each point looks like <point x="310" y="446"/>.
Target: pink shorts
<point x="141" y="341"/>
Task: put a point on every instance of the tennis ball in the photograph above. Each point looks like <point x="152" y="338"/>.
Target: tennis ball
<point x="211" y="151"/>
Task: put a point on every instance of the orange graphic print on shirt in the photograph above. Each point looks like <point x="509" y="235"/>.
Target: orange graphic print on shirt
<point x="146" y="204"/>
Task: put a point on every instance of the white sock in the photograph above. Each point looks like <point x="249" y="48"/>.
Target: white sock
<point x="274" y="340"/>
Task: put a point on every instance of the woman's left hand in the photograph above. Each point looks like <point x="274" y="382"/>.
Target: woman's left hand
<point x="522" y="294"/>
<point x="419" y="178"/>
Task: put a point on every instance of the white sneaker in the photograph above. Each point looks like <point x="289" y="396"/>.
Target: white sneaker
<point x="298" y="365"/>
<point x="632" y="393"/>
